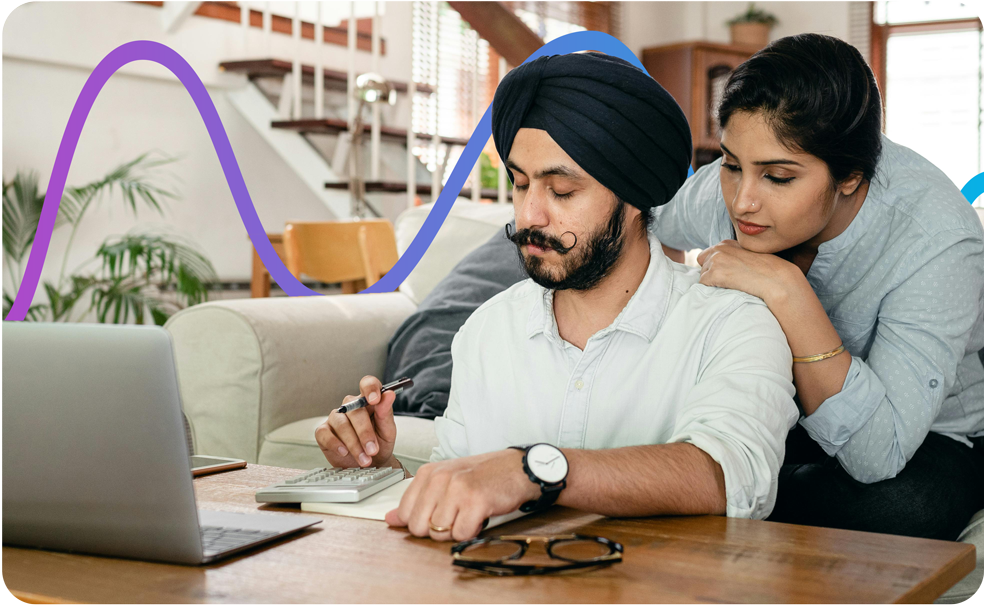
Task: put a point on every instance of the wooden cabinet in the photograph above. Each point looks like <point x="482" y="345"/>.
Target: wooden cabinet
<point x="695" y="74"/>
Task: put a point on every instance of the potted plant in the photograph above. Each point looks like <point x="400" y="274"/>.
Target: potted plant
<point x="752" y="27"/>
<point x="141" y="275"/>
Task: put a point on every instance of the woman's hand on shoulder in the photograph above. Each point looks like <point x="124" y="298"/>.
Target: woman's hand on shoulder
<point x="728" y="265"/>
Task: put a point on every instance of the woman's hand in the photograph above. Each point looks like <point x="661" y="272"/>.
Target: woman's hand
<point x="791" y="299"/>
<point x="728" y="265"/>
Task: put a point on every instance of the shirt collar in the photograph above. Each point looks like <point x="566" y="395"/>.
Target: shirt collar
<point x="859" y="225"/>
<point x="827" y="253"/>
<point x="642" y="315"/>
<point x="867" y="214"/>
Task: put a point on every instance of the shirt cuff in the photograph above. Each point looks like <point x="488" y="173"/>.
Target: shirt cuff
<point x="843" y="414"/>
<point x="749" y="484"/>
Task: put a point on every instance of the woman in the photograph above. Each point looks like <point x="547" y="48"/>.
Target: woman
<point x="873" y="263"/>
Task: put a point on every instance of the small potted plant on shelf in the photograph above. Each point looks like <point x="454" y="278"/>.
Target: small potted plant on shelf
<point x="752" y="27"/>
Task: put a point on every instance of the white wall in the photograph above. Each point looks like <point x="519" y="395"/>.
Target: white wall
<point x="657" y="23"/>
<point x="47" y="56"/>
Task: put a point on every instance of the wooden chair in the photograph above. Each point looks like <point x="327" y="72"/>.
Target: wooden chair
<point x="354" y="253"/>
<point x="259" y="284"/>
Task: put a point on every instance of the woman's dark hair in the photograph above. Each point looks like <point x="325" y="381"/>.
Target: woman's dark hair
<point x="818" y="95"/>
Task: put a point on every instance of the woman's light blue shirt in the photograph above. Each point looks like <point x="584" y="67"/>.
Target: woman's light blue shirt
<point x="904" y="287"/>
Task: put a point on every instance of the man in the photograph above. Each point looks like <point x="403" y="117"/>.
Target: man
<point x="646" y="392"/>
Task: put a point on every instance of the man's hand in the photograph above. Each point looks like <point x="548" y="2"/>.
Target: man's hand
<point x="363" y="437"/>
<point x="461" y="494"/>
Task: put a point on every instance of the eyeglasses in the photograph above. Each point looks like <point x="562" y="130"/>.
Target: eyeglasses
<point x="496" y="555"/>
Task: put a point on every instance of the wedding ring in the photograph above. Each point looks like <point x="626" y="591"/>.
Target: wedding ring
<point x="438" y="529"/>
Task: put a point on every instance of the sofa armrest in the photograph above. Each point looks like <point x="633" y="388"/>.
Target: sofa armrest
<point x="247" y="367"/>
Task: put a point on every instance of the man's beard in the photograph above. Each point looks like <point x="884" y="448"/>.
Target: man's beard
<point x="583" y="269"/>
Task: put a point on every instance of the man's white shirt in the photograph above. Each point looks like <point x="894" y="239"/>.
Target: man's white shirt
<point x="682" y="362"/>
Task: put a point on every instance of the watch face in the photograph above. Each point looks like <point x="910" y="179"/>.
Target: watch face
<point x="547" y="462"/>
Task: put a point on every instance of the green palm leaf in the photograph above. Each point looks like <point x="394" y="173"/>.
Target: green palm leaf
<point x="135" y="270"/>
<point x="138" y="262"/>
<point x="133" y="178"/>
<point x="36" y="312"/>
<point x="117" y="299"/>
<point x="22" y="204"/>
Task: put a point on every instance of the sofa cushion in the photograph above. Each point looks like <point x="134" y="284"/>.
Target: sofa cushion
<point x="293" y="445"/>
<point x="246" y="367"/>
<point x="467" y="226"/>
<point x="421" y="346"/>
<point x="966" y="588"/>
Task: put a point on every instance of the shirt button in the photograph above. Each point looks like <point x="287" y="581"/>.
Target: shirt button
<point x="579" y="384"/>
<point x="933" y="383"/>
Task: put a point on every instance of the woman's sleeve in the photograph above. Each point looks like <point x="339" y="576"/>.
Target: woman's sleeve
<point x="889" y="401"/>
<point x="693" y="218"/>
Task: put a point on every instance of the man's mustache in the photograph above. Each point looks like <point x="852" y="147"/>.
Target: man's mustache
<point x="535" y="237"/>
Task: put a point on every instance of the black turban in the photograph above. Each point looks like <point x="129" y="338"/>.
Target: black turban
<point x="611" y="117"/>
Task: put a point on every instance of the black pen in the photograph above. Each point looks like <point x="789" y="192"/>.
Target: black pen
<point x="396" y="386"/>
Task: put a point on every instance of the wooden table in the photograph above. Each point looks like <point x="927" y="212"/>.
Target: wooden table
<point x="682" y="559"/>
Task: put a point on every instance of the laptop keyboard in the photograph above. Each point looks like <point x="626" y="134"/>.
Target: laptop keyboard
<point x="220" y="539"/>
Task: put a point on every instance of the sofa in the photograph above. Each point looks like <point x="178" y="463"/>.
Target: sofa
<point x="258" y="375"/>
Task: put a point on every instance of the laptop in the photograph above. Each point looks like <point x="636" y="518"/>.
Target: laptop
<point x="94" y="452"/>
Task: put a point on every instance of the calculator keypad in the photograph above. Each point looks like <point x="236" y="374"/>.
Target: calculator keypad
<point x="332" y="485"/>
<point x="339" y="476"/>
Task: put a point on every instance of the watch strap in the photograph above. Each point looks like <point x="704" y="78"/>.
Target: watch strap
<point x="547" y="498"/>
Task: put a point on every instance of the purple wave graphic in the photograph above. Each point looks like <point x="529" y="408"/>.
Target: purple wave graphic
<point x="145" y="50"/>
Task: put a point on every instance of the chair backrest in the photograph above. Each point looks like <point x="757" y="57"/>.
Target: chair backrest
<point x="467" y="226"/>
<point x="341" y="251"/>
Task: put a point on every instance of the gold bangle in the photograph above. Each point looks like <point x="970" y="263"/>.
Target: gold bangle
<point x="819" y="357"/>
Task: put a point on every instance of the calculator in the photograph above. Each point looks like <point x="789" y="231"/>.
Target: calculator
<point x="332" y="485"/>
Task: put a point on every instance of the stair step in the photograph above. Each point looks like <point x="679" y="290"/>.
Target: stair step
<point x="335" y="126"/>
<point x="401" y="187"/>
<point x="334" y="79"/>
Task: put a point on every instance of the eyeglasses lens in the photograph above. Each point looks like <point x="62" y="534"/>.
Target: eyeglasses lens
<point x="493" y="551"/>
<point x="580" y="550"/>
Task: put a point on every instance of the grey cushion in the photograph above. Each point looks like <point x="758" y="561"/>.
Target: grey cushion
<point x="421" y="347"/>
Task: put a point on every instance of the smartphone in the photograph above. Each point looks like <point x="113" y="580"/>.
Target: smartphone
<point x="205" y="465"/>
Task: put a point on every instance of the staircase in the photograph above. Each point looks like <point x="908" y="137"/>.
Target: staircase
<point x="317" y="148"/>
<point x="315" y="141"/>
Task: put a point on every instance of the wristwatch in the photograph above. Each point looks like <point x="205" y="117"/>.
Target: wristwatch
<point x="546" y="466"/>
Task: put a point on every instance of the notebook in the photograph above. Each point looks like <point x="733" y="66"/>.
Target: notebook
<point x="374" y="507"/>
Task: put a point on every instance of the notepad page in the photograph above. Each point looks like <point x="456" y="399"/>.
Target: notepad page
<point x="374" y="507"/>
